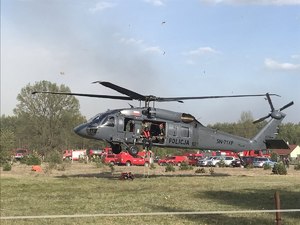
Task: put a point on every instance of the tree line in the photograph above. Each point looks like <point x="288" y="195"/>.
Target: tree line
<point x="45" y="122"/>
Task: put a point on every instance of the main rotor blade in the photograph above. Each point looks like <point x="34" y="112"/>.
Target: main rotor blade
<point x="122" y="90"/>
<point x="286" y="106"/>
<point x="208" y="97"/>
<point x="85" y="95"/>
<point x="261" y="119"/>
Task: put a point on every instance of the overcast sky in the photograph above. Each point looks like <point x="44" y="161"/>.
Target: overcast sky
<point x="165" y="48"/>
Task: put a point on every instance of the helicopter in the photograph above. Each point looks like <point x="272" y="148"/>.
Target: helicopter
<point x="123" y="128"/>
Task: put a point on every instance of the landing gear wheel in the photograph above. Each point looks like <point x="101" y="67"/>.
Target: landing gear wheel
<point x="133" y="150"/>
<point x="116" y="148"/>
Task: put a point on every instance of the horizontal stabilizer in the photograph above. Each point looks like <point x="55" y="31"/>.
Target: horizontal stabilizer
<point x="276" y="144"/>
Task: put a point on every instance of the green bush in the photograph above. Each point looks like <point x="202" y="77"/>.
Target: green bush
<point x="4" y="157"/>
<point x="249" y="166"/>
<point x="31" y="159"/>
<point x="63" y="166"/>
<point x="170" y="168"/>
<point x="152" y="166"/>
<point x="112" y="168"/>
<point x="267" y="166"/>
<point x="211" y="170"/>
<point x="6" y="167"/>
<point x="185" y="166"/>
<point x="55" y="161"/>
<point x="297" y="166"/>
<point x="274" y="156"/>
<point x="82" y="160"/>
<point x="54" y="158"/>
<point x="279" y="168"/>
<point x="200" y="170"/>
<point x="221" y="163"/>
<point x="98" y="162"/>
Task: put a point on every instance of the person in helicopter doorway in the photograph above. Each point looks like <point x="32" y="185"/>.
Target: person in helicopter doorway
<point x="147" y="139"/>
<point x="162" y="133"/>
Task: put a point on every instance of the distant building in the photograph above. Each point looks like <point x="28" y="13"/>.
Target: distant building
<point x="293" y="152"/>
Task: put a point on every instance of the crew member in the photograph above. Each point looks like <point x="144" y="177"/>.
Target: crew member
<point x="161" y="136"/>
<point x="147" y="140"/>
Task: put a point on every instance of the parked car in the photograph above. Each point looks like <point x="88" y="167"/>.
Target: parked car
<point x="203" y="162"/>
<point x="124" y="158"/>
<point x="174" y="160"/>
<point x="236" y="163"/>
<point x="261" y="161"/>
<point x="228" y="160"/>
<point x="193" y="159"/>
<point x="109" y="159"/>
<point x="215" y="160"/>
<point x="247" y="160"/>
<point x="21" y="153"/>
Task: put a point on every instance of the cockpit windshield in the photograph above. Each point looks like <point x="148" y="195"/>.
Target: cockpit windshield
<point x="103" y="119"/>
<point x="96" y="120"/>
<point x="94" y="117"/>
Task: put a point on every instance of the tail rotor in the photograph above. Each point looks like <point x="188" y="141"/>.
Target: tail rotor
<point x="275" y="114"/>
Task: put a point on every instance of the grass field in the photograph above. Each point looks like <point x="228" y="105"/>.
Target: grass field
<point x="85" y="189"/>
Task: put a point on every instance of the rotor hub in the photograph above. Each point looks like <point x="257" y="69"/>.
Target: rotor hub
<point x="277" y="115"/>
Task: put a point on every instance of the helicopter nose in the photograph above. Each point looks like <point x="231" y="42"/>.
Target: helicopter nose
<point x="81" y="130"/>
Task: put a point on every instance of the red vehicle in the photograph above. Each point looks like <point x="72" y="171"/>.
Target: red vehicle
<point x="174" y="160"/>
<point x="74" y="154"/>
<point x="255" y="153"/>
<point x="193" y="158"/>
<point x="225" y="153"/>
<point x="20" y="153"/>
<point x="94" y="152"/>
<point x="249" y="153"/>
<point x="124" y="158"/>
<point x="99" y="152"/>
<point x="107" y="150"/>
<point x="110" y="159"/>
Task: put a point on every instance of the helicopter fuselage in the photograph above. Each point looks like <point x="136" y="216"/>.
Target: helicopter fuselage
<point x="125" y="127"/>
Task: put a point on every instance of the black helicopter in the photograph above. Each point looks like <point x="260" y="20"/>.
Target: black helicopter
<point x="124" y="128"/>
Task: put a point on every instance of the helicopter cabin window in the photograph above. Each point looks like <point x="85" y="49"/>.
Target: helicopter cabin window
<point x="185" y="132"/>
<point x="109" y="121"/>
<point x="172" y="130"/>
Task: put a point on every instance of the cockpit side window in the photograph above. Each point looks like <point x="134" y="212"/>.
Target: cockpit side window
<point x="109" y="121"/>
